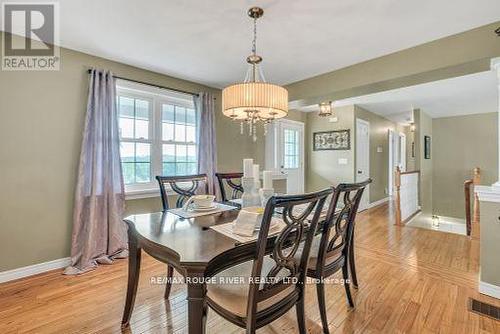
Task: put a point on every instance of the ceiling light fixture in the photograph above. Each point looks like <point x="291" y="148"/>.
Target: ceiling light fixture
<point x="254" y="100"/>
<point x="326" y="109"/>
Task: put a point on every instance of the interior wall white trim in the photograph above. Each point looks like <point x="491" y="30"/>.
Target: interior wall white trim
<point x="10" y="275"/>
<point x="487" y="193"/>
<point x="489" y="289"/>
<point x="379" y="202"/>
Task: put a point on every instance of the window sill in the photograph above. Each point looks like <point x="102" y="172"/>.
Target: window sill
<point x="143" y="193"/>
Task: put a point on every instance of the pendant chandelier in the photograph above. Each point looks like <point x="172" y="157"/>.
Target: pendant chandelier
<point x="254" y="100"/>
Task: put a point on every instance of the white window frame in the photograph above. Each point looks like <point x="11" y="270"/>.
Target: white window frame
<point x="157" y="97"/>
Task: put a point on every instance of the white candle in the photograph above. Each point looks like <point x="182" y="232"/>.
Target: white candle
<point x="268" y="179"/>
<point x="256" y="171"/>
<point x="247" y="167"/>
<point x="256" y="176"/>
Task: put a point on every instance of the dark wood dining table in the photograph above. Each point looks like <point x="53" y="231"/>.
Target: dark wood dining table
<point x="189" y="245"/>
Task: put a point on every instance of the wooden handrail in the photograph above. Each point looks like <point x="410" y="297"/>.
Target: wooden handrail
<point x="472" y="214"/>
<point x="467" y="192"/>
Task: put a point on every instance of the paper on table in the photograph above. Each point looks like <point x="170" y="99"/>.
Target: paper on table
<point x="277" y="225"/>
<point x="248" y="219"/>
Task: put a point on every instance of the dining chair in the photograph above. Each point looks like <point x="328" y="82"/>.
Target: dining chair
<point x="228" y="180"/>
<point x="274" y="276"/>
<point x="184" y="187"/>
<point x="332" y="250"/>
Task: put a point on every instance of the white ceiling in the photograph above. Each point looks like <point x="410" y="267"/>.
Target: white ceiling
<point x="208" y="41"/>
<point x="469" y="94"/>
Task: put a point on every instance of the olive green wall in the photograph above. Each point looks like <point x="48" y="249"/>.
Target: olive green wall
<point x="423" y="124"/>
<point x="379" y="161"/>
<point x="41" y="133"/>
<point x="459" y="144"/>
<point x="410" y="138"/>
<point x="322" y="167"/>
<point x="490" y="243"/>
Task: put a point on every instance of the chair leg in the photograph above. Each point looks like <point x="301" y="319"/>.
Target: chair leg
<point x="320" y="289"/>
<point x="345" y="275"/>
<point x="301" y="317"/>
<point x="168" y="286"/>
<point x="352" y="266"/>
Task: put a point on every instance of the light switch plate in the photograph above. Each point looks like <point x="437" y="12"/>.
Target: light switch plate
<point x="342" y="161"/>
<point x="333" y="120"/>
<point x="379" y="149"/>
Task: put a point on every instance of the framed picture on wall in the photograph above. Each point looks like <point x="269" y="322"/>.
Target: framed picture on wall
<point x="427" y="147"/>
<point x="332" y="140"/>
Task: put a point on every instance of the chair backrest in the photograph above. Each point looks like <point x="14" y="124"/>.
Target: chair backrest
<point x="185" y="187"/>
<point x="288" y="269"/>
<point x="339" y="222"/>
<point x="229" y="180"/>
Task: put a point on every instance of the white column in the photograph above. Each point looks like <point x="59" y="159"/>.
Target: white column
<point x="495" y="66"/>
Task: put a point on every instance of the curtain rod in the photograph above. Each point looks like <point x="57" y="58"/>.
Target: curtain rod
<point x="153" y="85"/>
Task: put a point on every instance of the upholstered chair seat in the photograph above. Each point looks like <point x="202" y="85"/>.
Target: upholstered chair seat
<point x="233" y="296"/>
<point x="313" y="257"/>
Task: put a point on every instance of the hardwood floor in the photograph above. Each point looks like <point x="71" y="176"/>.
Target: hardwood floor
<point x="411" y="280"/>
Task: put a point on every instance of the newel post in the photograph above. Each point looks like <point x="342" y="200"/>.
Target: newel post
<point x="397" y="184"/>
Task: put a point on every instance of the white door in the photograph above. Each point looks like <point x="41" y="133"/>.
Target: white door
<point x="285" y="153"/>
<point x="363" y="158"/>
<point x="402" y="152"/>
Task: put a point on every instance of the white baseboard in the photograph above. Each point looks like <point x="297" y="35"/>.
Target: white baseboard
<point x="34" y="269"/>
<point x="489" y="289"/>
<point x="379" y="202"/>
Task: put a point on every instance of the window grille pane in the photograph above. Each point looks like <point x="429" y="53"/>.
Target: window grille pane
<point x="180" y="115"/>
<point x="190" y="117"/>
<point x="191" y="153"/>
<point x="180" y="132"/>
<point x="127" y="152"/>
<point x="169" y="153"/>
<point x="141" y="109"/>
<point x="180" y="169"/>
<point x="142" y="152"/>
<point x="126" y="106"/>
<point x="169" y="169"/>
<point x="192" y="168"/>
<point x="126" y="127"/>
<point x="128" y="170"/>
<point x="190" y="134"/>
<point x="167" y="113"/>
<point x="141" y="129"/>
<point x="180" y="153"/>
<point x="167" y="131"/>
<point x="142" y="172"/>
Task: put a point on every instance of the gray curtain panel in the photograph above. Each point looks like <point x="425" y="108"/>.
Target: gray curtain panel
<point x="99" y="235"/>
<point x="207" y="144"/>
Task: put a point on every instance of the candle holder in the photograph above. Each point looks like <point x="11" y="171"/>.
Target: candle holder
<point x="265" y="195"/>
<point x="250" y="196"/>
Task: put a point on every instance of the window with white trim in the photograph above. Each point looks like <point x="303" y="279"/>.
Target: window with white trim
<point x="157" y="134"/>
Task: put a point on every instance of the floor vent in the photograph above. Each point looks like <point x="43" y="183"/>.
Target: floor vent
<point x="484" y="309"/>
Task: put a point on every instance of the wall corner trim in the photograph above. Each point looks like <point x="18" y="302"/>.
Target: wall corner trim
<point x="379" y="202"/>
<point x="488" y="193"/>
<point x="10" y="275"/>
<point x="489" y="289"/>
